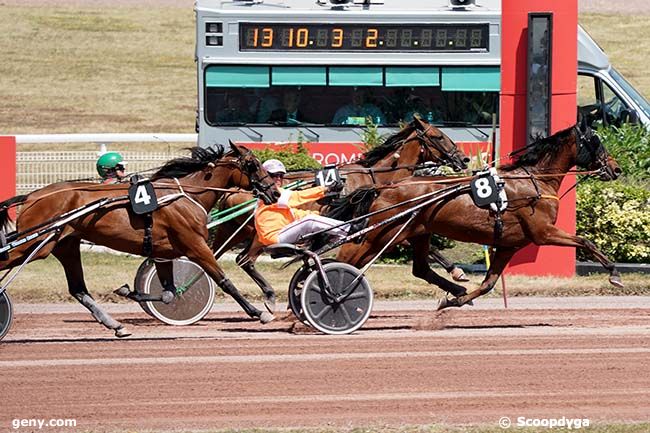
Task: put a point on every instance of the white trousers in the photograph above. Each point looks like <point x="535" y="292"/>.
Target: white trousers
<point x="310" y="224"/>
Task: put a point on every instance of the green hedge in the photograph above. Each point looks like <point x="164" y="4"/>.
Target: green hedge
<point x="292" y="160"/>
<point x="616" y="217"/>
<point x="630" y="147"/>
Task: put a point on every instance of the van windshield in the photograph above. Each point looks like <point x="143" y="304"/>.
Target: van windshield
<point x="631" y="91"/>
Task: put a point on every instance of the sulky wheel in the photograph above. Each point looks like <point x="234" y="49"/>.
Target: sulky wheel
<point x="194" y="294"/>
<point x="140" y="279"/>
<point x="6" y="314"/>
<point x="337" y="316"/>
<point x="295" y="289"/>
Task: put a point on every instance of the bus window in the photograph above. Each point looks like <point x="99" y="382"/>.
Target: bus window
<point x="321" y="103"/>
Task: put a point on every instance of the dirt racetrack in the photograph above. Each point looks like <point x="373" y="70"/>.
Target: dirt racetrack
<point x="541" y="358"/>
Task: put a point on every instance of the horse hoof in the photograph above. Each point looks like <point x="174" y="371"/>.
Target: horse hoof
<point x="615" y="281"/>
<point x="167" y="296"/>
<point x="447" y="302"/>
<point x="459" y="275"/>
<point x="122" y="332"/>
<point x="270" y="304"/>
<point x="266" y="317"/>
<point x="123" y="291"/>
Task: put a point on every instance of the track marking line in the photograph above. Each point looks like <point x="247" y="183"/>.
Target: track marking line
<point x="315" y="357"/>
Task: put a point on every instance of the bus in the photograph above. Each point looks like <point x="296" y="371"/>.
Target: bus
<point x="321" y="71"/>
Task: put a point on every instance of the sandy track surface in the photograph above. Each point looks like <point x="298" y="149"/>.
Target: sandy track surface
<point x="407" y="366"/>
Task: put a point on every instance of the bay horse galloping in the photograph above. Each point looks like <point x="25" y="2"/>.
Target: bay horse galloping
<point x="398" y="157"/>
<point x="187" y="188"/>
<point x="531" y="185"/>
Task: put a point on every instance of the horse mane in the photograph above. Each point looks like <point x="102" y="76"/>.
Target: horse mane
<point x="542" y="147"/>
<point x="199" y="158"/>
<point x="391" y="144"/>
<point x="352" y="205"/>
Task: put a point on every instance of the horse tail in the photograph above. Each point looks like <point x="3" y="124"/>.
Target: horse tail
<point x="6" y="205"/>
<point x="352" y="205"/>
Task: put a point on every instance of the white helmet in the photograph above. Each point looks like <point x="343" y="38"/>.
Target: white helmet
<point x="274" y="166"/>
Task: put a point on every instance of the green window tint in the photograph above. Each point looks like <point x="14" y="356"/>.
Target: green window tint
<point x="475" y="79"/>
<point x="412" y="77"/>
<point x="355" y="76"/>
<point x="299" y="76"/>
<point x="237" y="76"/>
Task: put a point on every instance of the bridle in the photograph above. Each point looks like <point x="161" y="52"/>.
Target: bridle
<point x="453" y="157"/>
<point x="260" y="186"/>
<point x="590" y="152"/>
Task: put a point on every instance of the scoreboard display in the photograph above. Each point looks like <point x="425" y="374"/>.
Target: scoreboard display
<point x="363" y="37"/>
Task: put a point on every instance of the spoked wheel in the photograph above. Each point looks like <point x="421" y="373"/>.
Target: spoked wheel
<point x="6" y="314"/>
<point x="295" y="289"/>
<point x="140" y="279"/>
<point x="337" y="316"/>
<point x="194" y="294"/>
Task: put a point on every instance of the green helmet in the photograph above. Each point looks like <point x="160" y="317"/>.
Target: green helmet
<point x="108" y="162"/>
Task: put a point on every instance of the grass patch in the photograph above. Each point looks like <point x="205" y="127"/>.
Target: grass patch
<point x="44" y="281"/>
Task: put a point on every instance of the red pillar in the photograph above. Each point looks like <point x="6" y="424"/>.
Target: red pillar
<point x="534" y="260"/>
<point x="7" y="167"/>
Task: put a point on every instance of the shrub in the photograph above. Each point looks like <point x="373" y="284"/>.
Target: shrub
<point x="630" y="146"/>
<point x="293" y="160"/>
<point x="616" y="217"/>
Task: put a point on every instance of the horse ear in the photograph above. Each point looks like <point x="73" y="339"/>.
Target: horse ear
<point x="417" y="122"/>
<point x="234" y="148"/>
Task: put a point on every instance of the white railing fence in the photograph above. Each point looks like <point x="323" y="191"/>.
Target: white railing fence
<point x="38" y="168"/>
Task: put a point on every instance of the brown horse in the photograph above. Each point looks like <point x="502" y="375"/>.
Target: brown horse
<point x="531" y="184"/>
<point x="398" y="157"/>
<point x="187" y="188"/>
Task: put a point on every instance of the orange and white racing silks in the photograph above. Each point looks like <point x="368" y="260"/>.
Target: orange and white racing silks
<point x="271" y="219"/>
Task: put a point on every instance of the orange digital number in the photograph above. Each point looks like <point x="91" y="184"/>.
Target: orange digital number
<point x="302" y="37"/>
<point x="371" y="39"/>
<point x="337" y="38"/>
<point x="267" y="37"/>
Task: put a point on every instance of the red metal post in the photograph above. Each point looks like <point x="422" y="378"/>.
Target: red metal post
<point x="7" y="167"/>
<point x="534" y="260"/>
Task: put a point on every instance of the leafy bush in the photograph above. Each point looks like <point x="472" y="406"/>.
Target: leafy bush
<point x="293" y="157"/>
<point x="630" y="146"/>
<point x="616" y="217"/>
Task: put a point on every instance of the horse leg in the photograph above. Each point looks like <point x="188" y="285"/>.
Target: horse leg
<point x="201" y="254"/>
<point x="558" y="237"/>
<point x="246" y="260"/>
<point x="498" y="262"/>
<point x="456" y="273"/>
<point x="68" y="254"/>
<point x="165" y="272"/>
<point x="422" y="270"/>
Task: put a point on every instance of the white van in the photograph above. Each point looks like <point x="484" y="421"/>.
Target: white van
<point x="604" y="95"/>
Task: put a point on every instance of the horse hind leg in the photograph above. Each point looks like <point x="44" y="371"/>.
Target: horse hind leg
<point x="68" y="254"/>
<point x="456" y="272"/>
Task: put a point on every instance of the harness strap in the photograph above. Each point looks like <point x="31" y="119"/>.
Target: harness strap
<point x="147" y="243"/>
<point x="180" y="188"/>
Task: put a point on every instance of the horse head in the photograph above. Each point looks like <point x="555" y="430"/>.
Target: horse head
<point x="259" y="180"/>
<point x="436" y="146"/>
<point x="592" y="155"/>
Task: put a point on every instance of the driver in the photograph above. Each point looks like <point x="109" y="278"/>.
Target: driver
<point x="111" y="167"/>
<point x="284" y="222"/>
